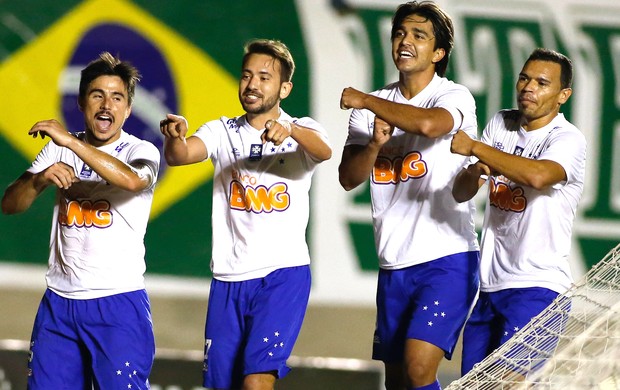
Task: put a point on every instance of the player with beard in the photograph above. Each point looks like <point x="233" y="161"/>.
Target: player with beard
<point x="264" y="161"/>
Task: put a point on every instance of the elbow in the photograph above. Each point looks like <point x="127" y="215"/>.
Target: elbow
<point x="326" y="155"/>
<point x="538" y="183"/>
<point x="459" y="198"/>
<point x="8" y="208"/>
<point x="171" y="161"/>
<point x="428" y="129"/>
<point x="346" y="182"/>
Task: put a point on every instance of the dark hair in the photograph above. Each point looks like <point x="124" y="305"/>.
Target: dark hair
<point x="275" y="49"/>
<point x="442" y="27"/>
<point x="566" y="71"/>
<point x="108" y="65"/>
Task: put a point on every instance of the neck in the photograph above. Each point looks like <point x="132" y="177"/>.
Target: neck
<point x="411" y="84"/>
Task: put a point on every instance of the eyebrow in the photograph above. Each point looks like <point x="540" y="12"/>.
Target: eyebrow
<point x="103" y="92"/>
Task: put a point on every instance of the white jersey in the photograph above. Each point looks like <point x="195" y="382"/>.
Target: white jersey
<point x="260" y="198"/>
<point x="526" y="236"/>
<point x="416" y="218"/>
<point x="97" y="239"/>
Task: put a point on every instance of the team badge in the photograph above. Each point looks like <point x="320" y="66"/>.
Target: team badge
<point x="86" y="171"/>
<point x="518" y="151"/>
<point x="256" y="152"/>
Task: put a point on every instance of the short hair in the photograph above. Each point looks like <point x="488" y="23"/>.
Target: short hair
<point x="442" y="27"/>
<point x="108" y="65"/>
<point x="566" y="65"/>
<point x="274" y="49"/>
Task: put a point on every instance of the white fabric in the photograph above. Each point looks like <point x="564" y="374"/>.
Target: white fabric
<point x="97" y="238"/>
<point x="416" y="218"/>
<point x="255" y="237"/>
<point x="526" y="237"/>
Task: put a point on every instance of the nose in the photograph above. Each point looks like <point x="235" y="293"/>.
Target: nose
<point x="105" y="102"/>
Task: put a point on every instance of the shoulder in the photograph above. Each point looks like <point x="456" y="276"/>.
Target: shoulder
<point x="134" y="144"/>
<point x="565" y="129"/>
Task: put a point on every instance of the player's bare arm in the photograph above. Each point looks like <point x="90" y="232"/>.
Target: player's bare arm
<point x="538" y="174"/>
<point x="20" y="194"/>
<point x="358" y="160"/>
<point x="179" y="150"/>
<point x="428" y="122"/>
<point x="112" y="170"/>
<point x="469" y="180"/>
<point x="310" y="140"/>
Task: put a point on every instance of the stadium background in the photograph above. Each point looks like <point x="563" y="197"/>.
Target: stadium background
<point x="189" y="54"/>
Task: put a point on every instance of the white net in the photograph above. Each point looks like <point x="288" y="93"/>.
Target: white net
<point x="573" y="344"/>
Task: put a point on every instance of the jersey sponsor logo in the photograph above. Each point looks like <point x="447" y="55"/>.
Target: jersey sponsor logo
<point x="392" y="171"/>
<point x="259" y="199"/>
<point x="505" y="198"/>
<point x="86" y="214"/>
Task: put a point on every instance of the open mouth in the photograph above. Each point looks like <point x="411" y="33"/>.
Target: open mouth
<point x="405" y="54"/>
<point x="104" y="121"/>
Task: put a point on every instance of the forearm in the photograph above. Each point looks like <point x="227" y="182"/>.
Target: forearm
<point x="467" y="183"/>
<point x="537" y="174"/>
<point x="109" y="168"/>
<point x="357" y="164"/>
<point x="20" y="195"/>
<point x="312" y="142"/>
<point x="428" y="122"/>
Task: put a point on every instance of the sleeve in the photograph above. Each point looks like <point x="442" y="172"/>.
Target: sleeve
<point x="567" y="148"/>
<point x="460" y="103"/>
<point x="144" y="159"/>
<point x="360" y="127"/>
<point x="210" y="133"/>
<point x="50" y="154"/>
<point x="314" y="125"/>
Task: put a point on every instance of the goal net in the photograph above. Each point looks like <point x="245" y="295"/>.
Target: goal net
<point x="573" y="344"/>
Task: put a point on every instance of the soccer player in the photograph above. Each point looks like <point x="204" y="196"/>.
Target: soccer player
<point x="93" y="327"/>
<point x="264" y="161"/>
<point x="399" y="137"/>
<point x="534" y="162"/>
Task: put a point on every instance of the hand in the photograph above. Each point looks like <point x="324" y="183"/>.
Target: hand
<point x="60" y="174"/>
<point x="53" y="129"/>
<point x="352" y="98"/>
<point x="276" y="131"/>
<point x="462" y="143"/>
<point x="382" y="132"/>
<point x="174" y="126"/>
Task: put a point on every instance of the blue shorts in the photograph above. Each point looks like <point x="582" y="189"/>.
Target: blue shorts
<point x="102" y="343"/>
<point x="497" y="316"/>
<point x="252" y="326"/>
<point x="428" y="301"/>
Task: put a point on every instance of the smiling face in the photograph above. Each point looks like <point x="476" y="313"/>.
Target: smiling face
<point x="105" y="107"/>
<point x="260" y="88"/>
<point x="413" y="46"/>
<point x="540" y="93"/>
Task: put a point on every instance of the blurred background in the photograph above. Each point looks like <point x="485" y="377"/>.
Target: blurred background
<point x="189" y="54"/>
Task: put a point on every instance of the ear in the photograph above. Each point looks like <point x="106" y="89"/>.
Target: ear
<point x="285" y="89"/>
<point x="564" y="95"/>
<point x="80" y="106"/>
<point x="438" y="55"/>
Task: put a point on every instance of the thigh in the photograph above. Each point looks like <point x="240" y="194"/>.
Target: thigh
<point x="519" y="305"/>
<point x="118" y="332"/>
<point x="56" y="356"/>
<point x="479" y="334"/>
<point x="445" y="292"/>
<point x="393" y="306"/>
<point x="274" y="320"/>
<point x="222" y="365"/>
